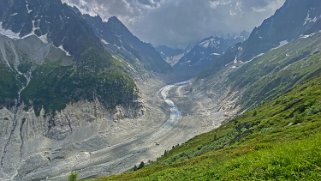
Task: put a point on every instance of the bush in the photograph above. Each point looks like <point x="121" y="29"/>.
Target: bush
<point x="141" y="165"/>
<point x="73" y="176"/>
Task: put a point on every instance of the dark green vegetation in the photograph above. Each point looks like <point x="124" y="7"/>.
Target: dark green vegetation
<point x="73" y="177"/>
<point x="53" y="87"/>
<point x="8" y="86"/>
<point x="278" y="140"/>
<point x="59" y="80"/>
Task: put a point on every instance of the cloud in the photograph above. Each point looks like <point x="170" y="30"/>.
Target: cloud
<point x="181" y="22"/>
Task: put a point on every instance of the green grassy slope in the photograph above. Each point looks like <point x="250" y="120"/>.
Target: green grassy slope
<point x="278" y="140"/>
<point x="277" y="71"/>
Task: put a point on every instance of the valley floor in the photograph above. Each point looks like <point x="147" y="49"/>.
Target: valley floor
<point x="150" y="143"/>
<point x="99" y="145"/>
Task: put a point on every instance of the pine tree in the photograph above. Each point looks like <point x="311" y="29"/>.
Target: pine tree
<point x="141" y="165"/>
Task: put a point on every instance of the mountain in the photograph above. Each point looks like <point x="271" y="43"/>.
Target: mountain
<point x="170" y="55"/>
<point x="59" y="88"/>
<point x="294" y="19"/>
<point x="56" y="23"/>
<point x="52" y="21"/>
<point x="119" y="40"/>
<point x="18" y="59"/>
<point x="277" y="71"/>
<point x="204" y="54"/>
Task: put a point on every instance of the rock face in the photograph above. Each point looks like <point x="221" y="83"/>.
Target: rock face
<point x="30" y="143"/>
<point x="171" y="55"/>
<point x="120" y="41"/>
<point x="36" y="145"/>
<point x="294" y="19"/>
<point x="50" y="20"/>
<point x="204" y="55"/>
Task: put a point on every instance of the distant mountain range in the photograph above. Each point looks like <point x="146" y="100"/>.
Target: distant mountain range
<point x="171" y="55"/>
<point x="204" y="54"/>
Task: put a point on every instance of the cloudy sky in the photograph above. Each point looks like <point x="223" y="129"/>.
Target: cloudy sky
<point x="178" y="23"/>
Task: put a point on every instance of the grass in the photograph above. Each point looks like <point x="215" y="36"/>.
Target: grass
<point x="278" y="140"/>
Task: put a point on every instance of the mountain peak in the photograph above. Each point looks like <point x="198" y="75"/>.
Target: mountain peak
<point x="117" y="27"/>
<point x="114" y="20"/>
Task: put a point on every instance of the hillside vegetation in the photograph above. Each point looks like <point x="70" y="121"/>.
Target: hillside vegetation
<point x="9" y="86"/>
<point x="278" y="70"/>
<point x="278" y="140"/>
<point x="53" y="87"/>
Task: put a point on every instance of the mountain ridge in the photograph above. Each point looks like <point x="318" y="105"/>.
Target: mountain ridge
<point x="118" y="39"/>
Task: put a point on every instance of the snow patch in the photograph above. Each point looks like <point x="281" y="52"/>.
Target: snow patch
<point x="174" y="59"/>
<point x="307" y="36"/>
<point x="12" y="35"/>
<point x="235" y="60"/>
<point x="215" y="54"/>
<point x="104" y="41"/>
<point x="308" y="19"/>
<point x="34" y="28"/>
<point x="281" y="44"/>
<point x="8" y="33"/>
<point x="44" y="38"/>
<point x="210" y="43"/>
<point x="66" y="52"/>
<point x="28" y="8"/>
<point x="257" y="56"/>
<point x="205" y="44"/>
<point x="14" y="14"/>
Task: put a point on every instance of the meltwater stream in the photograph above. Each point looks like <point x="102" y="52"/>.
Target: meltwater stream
<point x="174" y="113"/>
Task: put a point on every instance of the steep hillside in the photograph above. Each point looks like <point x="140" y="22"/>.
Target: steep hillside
<point x="278" y="70"/>
<point x="119" y="40"/>
<point x="278" y="140"/>
<point x="61" y="92"/>
<point x="53" y="22"/>
<point x="93" y="74"/>
<point x="294" y="19"/>
<point x="18" y="59"/>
